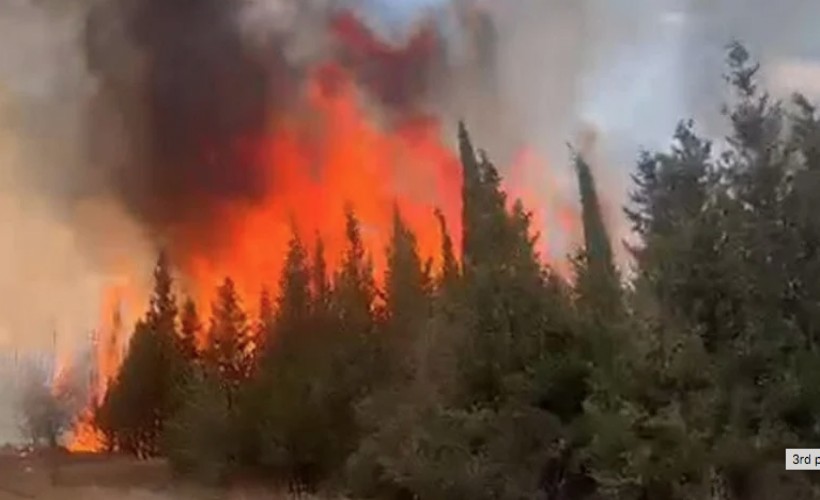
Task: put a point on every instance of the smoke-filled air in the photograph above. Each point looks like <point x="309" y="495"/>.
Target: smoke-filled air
<point x="410" y="248"/>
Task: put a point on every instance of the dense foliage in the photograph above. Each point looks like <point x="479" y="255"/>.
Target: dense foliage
<point x="492" y="377"/>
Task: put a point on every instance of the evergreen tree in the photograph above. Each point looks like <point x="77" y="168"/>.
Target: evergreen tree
<point x="202" y="436"/>
<point x="500" y="327"/>
<point x="503" y="381"/>
<point x="596" y="239"/>
<point x="323" y="319"/>
<point x="189" y="331"/>
<point x="355" y="288"/>
<point x="263" y="327"/>
<point x="293" y="306"/>
<point x="353" y="316"/>
<point x="143" y="395"/>
<point x="683" y="216"/>
<point x="503" y="281"/>
<point x="449" y="265"/>
<point x="317" y="366"/>
<point x="471" y="178"/>
<point x="597" y="279"/>
<point x="406" y="287"/>
<point x="706" y="383"/>
<point x="162" y="312"/>
<point x="641" y="369"/>
<point x="229" y="338"/>
<point x="800" y="208"/>
<point x="320" y="283"/>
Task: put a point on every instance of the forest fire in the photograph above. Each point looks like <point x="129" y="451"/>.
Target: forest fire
<point x="107" y="355"/>
<point x="319" y="163"/>
<point x="407" y="249"/>
<point x="355" y="135"/>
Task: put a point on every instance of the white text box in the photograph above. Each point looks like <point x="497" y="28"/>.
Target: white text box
<point x="803" y="459"/>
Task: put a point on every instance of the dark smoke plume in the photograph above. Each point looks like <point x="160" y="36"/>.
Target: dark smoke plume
<point x="185" y="111"/>
<point x="192" y="96"/>
<point x="399" y="77"/>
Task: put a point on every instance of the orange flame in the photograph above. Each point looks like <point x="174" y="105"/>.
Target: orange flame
<point x="108" y="352"/>
<point x="109" y="343"/>
<point x="85" y="436"/>
<point x="317" y="162"/>
<point x="553" y="216"/>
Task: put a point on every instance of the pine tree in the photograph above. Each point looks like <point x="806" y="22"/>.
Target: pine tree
<point x="406" y="293"/>
<point x="801" y="206"/>
<point x="354" y="362"/>
<point x="684" y="218"/>
<point x="294" y="302"/>
<point x="355" y="288"/>
<point x="190" y="330"/>
<point x="320" y="283"/>
<point x="503" y="280"/>
<point x="142" y="396"/>
<point x="263" y="333"/>
<point x="323" y="318"/>
<point x="709" y="368"/>
<point x="320" y="364"/>
<point x="485" y="220"/>
<point x="471" y="180"/>
<point x="597" y="279"/>
<point x="162" y="313"/>
<point x="596" y="239"/>
<point x="449" y="273"/>
<point x="454" y="430"/>
<point x="405" y="279"/>
<point x="229" y="337"/>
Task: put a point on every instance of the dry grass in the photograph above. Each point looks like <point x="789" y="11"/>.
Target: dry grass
<point x="71" y="477"/>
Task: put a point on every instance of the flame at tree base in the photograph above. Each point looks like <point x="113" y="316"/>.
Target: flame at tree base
<point x="85" y="437"/>
<point x="106" y="358"/>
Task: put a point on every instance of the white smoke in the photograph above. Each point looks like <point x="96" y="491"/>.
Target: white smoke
<point x="57" y="246"/>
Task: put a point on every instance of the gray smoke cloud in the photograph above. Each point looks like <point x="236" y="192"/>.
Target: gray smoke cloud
<point x="627" y="69"/>
<point x="54" y="243"/>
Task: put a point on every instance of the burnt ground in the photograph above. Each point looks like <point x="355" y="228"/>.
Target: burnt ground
<point x="62" y="476"/>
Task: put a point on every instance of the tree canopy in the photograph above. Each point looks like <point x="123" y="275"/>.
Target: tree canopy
<point x="491" y="376"/>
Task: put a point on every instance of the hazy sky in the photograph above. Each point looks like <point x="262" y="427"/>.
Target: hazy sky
<point x="652" y="61"/>
<point x="661" y="60"/>
<point x="632" y="69"/>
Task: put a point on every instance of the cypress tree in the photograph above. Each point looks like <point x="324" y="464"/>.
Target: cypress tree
<point x="597" y="278"/>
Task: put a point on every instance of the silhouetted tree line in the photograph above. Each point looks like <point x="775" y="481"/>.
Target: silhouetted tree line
<point x="494" y="377"/>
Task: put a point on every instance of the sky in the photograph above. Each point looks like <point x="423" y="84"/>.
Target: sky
<point x="650" y="59"/>
<point x="657" y="56"/>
